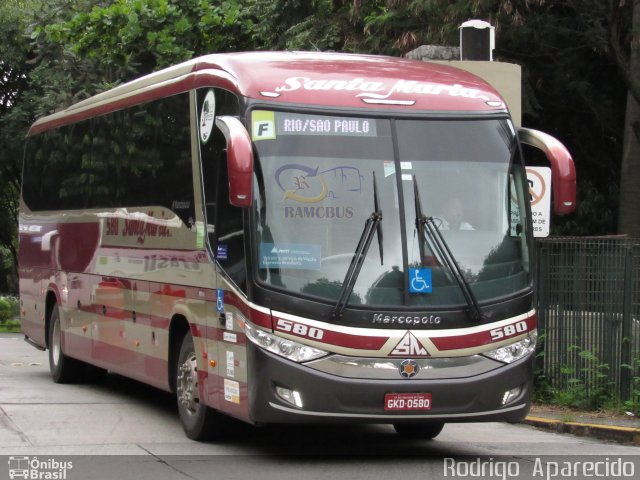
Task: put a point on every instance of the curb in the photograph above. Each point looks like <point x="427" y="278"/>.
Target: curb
<point x="602" y="432"/>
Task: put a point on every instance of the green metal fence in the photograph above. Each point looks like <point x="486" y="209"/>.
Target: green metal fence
<point x="589" y="315"/>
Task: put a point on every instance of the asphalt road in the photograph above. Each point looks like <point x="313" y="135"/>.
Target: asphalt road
<point x="119" y="428"/>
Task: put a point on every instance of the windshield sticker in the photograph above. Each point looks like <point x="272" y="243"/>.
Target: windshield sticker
<point x="199" y="235"/>
<point x="290" y="255"/>
<point x="207" y="116"/>
<point x="300" y="124"/>
<point x="263" y="125"/>
<point x="407" y="177"/>
<point x="406" y="166"/>
<point x="222" y="252"/>
<point x="305" y="184"/>
<point x="420" y="280"/>
<point x="389" y="168"/>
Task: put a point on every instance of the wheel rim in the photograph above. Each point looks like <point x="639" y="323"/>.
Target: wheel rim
<point x="188" y="384"/>
<point x="55" y="343"/>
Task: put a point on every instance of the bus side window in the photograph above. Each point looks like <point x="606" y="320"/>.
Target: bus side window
<point x="56" y="163"/>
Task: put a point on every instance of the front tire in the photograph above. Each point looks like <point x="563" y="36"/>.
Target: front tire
<point x="63" y="369"/>
<point x="199" y="422"/>
<point x="419" y="431"/>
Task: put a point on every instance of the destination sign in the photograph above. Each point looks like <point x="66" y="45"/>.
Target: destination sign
<point x="300" y="124"/>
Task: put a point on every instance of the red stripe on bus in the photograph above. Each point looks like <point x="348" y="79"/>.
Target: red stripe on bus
<point x="459" y="342"/>
<point x="230" y="298"/>
<point x="261" y="319"/>
<point x="353" y="341"/>
<point x="254" y="315"/>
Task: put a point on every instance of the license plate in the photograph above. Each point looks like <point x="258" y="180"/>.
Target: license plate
<point x="407" y="401"/>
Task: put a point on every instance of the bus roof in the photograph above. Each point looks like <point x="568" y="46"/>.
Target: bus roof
<point x="312" y="78"/>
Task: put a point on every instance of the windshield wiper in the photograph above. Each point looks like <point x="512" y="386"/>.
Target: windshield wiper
<point x="427" y="227"/>
<point x="376" y="208"/>
<point x="420" y="218"/>
<point x="372" y="225"/>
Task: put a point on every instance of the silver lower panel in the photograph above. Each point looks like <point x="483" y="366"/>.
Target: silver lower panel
<point x="389" y="368"/>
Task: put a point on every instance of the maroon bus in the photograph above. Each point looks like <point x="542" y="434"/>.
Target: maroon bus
<point x="290" y="238"/>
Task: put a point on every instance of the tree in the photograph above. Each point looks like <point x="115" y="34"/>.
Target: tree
<point x="15" y="118"/>
<point x="97" y="46"/>
<point x="629" y="209"/>
<point x="305" y="24"/>
<point x="612" y="29"/>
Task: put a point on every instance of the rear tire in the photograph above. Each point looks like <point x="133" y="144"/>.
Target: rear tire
<point x="63" y="369"/>
<point x="421" y="431"/>
<point x="199" y="422"/>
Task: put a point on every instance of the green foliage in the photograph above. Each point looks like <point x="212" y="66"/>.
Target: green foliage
<point x="303" y="24"/>
<point x="543" y="391"/>
<point x="632" y="404"/>
<point x="396" y="27"/>
<point x="8" y="274"/>
<point x="99" y="46"/>
<point x="5" y="310"/>
<point x="149" y="34"/>
<point x="15" y="117"/>
<point x="595" y="215"/>
<point x="587" y="384"/>
<point x="9" y="312"/>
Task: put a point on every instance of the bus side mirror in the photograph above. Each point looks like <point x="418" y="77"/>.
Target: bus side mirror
<point x="563" y="171"/>
<point x="239" y="160"/>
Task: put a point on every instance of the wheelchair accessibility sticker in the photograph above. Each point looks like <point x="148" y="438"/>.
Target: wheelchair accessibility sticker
<point x="420" y="280"/>
<point x="220" y="300"/>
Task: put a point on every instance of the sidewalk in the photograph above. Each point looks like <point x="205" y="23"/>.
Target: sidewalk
<point x="604" y="426"/>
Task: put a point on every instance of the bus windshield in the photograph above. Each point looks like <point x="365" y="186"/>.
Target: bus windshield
<point x="315" y="177"/>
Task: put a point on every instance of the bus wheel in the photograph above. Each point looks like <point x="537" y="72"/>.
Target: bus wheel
<point x="63" y="369"/>
<point x="198" y="421"/>
<point x="423" y="431"/>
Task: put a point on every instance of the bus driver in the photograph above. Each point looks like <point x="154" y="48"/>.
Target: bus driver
<point x="452" y="214"/>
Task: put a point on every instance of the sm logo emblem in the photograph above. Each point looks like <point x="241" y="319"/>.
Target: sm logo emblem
<point x="409" y="346"/>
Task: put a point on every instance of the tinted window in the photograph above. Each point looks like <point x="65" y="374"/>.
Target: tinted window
<point x="131" y="158"/>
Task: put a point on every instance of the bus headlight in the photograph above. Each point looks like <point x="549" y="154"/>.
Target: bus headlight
<point x="284" y="347"/>
<point x="515" y="351"/>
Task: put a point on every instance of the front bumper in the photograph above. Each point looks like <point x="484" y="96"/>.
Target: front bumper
<point x="330" y="398"/>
